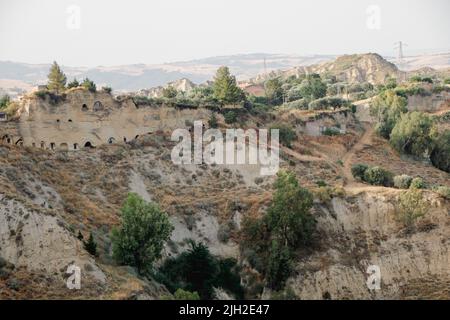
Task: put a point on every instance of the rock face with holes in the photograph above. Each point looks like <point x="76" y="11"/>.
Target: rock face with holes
<point x="85" y="119"/>
<point x="41" y="242"/>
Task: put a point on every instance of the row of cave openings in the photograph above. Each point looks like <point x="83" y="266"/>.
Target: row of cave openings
<point x="7" y="139"/>
<point x="97" y="107"/>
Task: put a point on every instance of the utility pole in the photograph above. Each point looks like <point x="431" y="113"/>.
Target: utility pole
<point x="399" y="46"/>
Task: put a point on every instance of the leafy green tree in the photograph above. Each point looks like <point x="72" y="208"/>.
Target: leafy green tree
<point x="144" y="230"/>
<point x="387" y="108"/>
<point x="440" y="155"/>
<point x="90" y="245"/>
<point x="313" y="88"/>
<point x="170" y="92"/>
<point x="89" y="85"/>
<point x="73" y="84"/>
<point x="225" y="88"/>
<point x="56" y="79"/>
<point x="288" y="216"/>
<point x="4" y="101"/>
<point x="274" y="91"/>
<point x="413" y="134"/>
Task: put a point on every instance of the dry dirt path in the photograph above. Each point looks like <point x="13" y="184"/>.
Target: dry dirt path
<point x="347" y="159"/>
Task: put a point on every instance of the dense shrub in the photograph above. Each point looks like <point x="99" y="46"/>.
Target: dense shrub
<point x="413" y="134"/>
<point x="301" y="104"/>
<point x="197" y="270"/>
<point x="212" y="122"/>
<point x="286" y="134"/>
<point x="327" y="103"/>
<point x="402" y="181"/>
<point x="358" y="170"/>
<point x="411" y="207"/>
<point x="230" y="117"/>
<point x="331" y="132"/>
<point x="378" y="176"/>
<point x="443" y="191"/>
<point x="181" y="294"/>
<point x="89" y="85"/>
<point x="90" y="245"/>
<point x="417" y="183"/>
<point x="440" y="155"/>
<point x="4" y="101"/>
<point x="279" y="266"/>
<point x="107" y="89"/>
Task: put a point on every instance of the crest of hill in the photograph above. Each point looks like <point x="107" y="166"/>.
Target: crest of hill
<point x="355" y="68"/>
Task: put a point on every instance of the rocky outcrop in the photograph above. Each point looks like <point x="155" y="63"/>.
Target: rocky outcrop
<point x="364" y="230"/>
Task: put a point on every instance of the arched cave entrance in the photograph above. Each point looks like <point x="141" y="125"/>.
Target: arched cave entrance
<point x="111" y="140"/>
<point x="52" y="145"/>
<point x="89" y="145"/>
<point x="75" y="146"/>
<point x="64" y="147"/>
<point x="98" y="106"/>
<point x="19" y="142"/>
<point x="124" y="139"/>
<point x="84" y="107"/>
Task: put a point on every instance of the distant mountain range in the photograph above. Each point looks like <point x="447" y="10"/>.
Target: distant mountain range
<point x="16" y="77"/>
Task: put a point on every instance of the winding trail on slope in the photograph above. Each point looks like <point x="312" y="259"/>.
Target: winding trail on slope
<point x="347" y="159"/>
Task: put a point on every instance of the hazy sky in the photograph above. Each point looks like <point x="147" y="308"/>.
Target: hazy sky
<point x="109" y="32"/>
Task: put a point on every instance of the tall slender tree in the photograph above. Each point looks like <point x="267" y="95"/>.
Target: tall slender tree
<point x="225" y="87"/>
<point x="56" y="78"/>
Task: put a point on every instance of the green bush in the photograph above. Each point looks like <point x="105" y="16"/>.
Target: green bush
<point x="402" y="181"/>
<point x="90" y="245"/>
<point x="197" y="270"/>
<point x="417" y="183"/>
<point x="4" y="101"/>
<point x="279" y="266"/>
<point x="378" y="176"/>
<point x="73" y="84"/>
<point x="331" y="132"/>
<point x="443" y="191"/>
<point x="230" y="117"/>
<point x="411" y="207"/>
<point x="328" y="103"/>
<point x="358" y="170"/>
<point x="212" y="122"/>
<point x="286" y="134"/>
<point x="181" y="294"/>
<point x="89" y="85"/>
<point x="440" y="155"/>
<point x="301" y="104"/>
<point x="413" y="134"/>
<point x="107" y="89"/>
